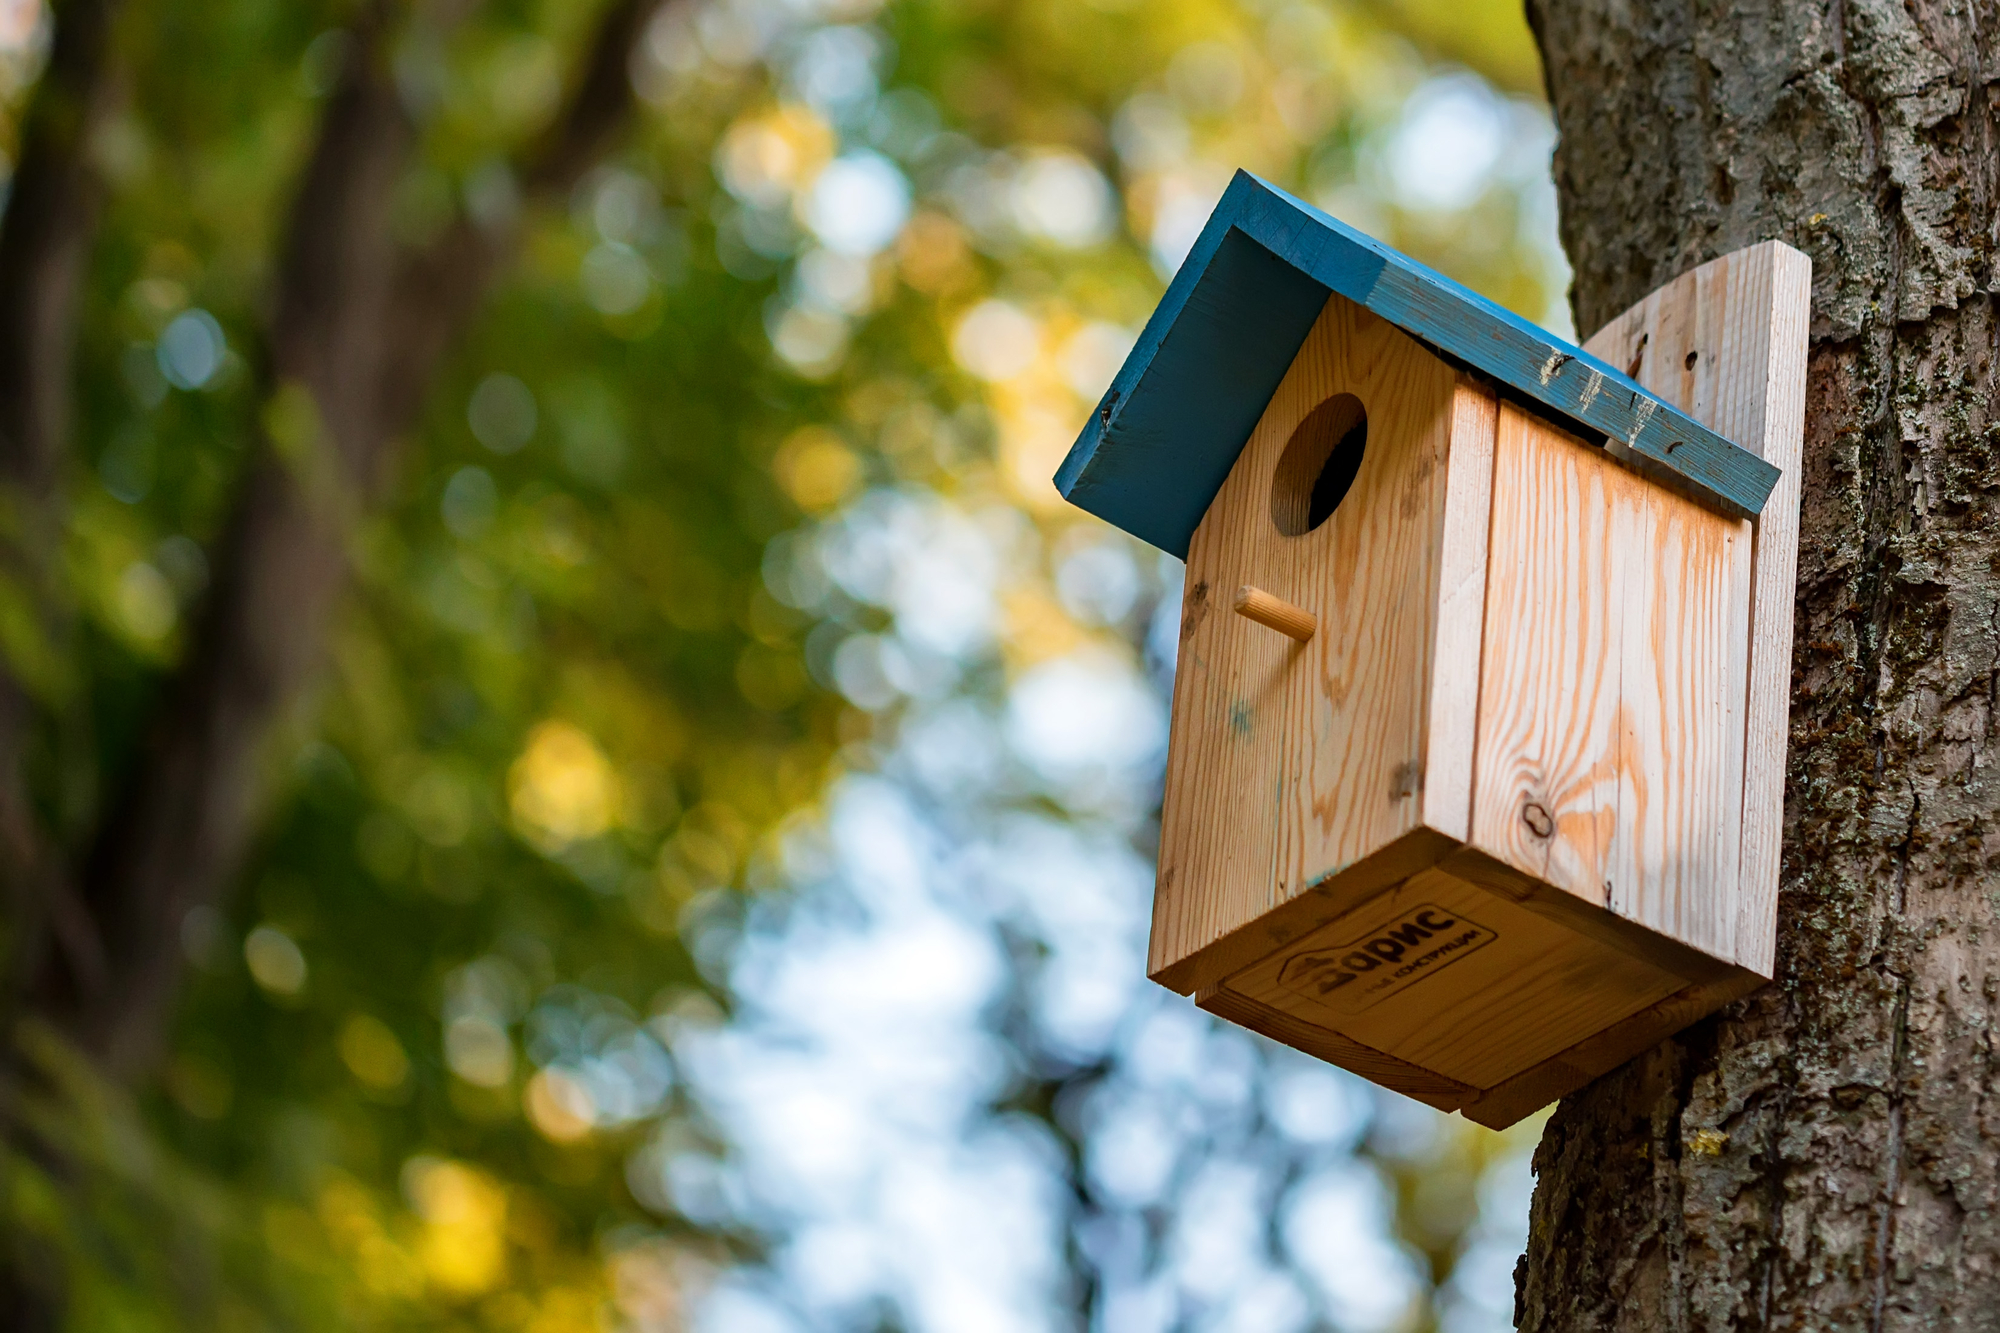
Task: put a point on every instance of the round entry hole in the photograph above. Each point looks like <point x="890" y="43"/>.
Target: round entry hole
<point x="1319" y="465"/>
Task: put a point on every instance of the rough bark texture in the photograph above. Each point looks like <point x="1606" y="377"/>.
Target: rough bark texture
<point x="1825" y="1154"/>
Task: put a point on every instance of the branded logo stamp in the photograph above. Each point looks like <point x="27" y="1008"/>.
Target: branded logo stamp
<point x="1364" y="972"/>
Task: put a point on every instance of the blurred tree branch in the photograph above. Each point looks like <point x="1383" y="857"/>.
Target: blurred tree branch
<point x="45" y="238"/>
<point x="360" y="322"/>
<point x="44" y="241"/>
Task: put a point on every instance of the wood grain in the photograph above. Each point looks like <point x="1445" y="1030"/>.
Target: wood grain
<point x="1610" y="733"/>
<point x="1275" y="613"/>
<point x="1492" y="992"/>
<point x="1601" y="1052"/>
<point x="1726" y="344"/>
<point x="1413" y="1081"/>
<point x="1461" y="612"/>
<point x="1327" y="900"/>
<point x="1587" y="919"/>
<point x="1291" y="763"/>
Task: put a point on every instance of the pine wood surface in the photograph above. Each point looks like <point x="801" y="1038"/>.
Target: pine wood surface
<point x="1326" y="900"/>
<point x="1726" y="343"/>
<point x="1274" y="613"/>
<point x="1585" y="918"/>
<point x="1461" y="612"/>
<point x="1526" y="990"/>
<point x="1413" y="1081"/>
<point x="1602" y="1051"/>
<point x="1292" y="762"/>
<point x="1610" y="732"/>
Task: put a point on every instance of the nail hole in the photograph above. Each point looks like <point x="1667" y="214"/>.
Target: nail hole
<point x="1692" y="357"/>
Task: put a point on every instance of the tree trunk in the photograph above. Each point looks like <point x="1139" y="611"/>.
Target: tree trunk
<point x="50" y="217"/>
<point x="1824" y="1154"/>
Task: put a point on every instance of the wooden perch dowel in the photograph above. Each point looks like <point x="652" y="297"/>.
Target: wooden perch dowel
<point x="1275" y="613"/>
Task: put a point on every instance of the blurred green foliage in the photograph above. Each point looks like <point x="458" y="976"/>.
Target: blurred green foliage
<point x="563" y="705"/>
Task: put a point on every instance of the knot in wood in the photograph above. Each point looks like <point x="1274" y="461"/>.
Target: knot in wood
<point x="1537" y="819"/>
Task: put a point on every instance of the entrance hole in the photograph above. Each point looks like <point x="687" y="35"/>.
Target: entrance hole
<point x="1319" y="465"/>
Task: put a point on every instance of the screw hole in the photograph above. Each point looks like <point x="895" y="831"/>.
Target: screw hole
<point x="1692" y="357"/>
<point x="1638" y="356"/>
<point x="1319" y="465"/>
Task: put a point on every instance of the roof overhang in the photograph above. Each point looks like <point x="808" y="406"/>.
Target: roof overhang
<point x="1163" y="438"/>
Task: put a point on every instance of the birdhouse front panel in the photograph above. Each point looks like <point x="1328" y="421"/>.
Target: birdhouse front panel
<point x="1320" y="746"/>
<point x="1477" y="746"/>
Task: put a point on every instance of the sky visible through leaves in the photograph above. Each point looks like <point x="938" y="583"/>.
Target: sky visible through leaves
<point x="710" y="887"/>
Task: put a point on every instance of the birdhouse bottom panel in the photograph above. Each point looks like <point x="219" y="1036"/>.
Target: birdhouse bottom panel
<point x="1442" y="987"/>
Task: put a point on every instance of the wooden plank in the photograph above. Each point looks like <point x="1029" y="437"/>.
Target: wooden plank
<point x="1726" y="344"/>
<point x="1167" y="431"/>
<point x="1600" y="1053"/>
<point x="1323" y="901"/>
<point x="1588" y="919"/>
<point x="1413" y="1081"/>
<point x="1292" y="763"/>
<point x="1442" y="974"/>
<point x="1610" y="733"/>
<point x="1152" y="456"/>
<point x="1461" y="614"/>
<point x="1211" y="875"/>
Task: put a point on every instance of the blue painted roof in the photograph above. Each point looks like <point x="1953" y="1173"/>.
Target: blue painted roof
<point x="1180" y="410"/>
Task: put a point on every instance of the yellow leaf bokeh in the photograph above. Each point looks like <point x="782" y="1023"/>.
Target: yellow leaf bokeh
<point x="562" y="789"/>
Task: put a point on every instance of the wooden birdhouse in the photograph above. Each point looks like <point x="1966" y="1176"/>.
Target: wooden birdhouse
<point x="1477" y="758"/>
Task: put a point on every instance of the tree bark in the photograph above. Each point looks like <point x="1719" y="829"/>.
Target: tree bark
<point x="1826" y="1153"/>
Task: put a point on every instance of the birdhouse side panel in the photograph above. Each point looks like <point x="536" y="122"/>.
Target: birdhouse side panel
<point x="1290" y="762"/>
<point x="1610" y="735"/>
<point x="1218" y="824"/>
<point x="1726" y="343"/>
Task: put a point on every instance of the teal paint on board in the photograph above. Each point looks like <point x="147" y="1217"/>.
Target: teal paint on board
<point x="1163" y="438"/>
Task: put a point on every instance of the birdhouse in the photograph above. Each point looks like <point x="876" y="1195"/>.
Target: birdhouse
<point x="1477" y="758"/>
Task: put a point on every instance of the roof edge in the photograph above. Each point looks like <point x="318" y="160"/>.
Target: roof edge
<point x="1229" y="312"/>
